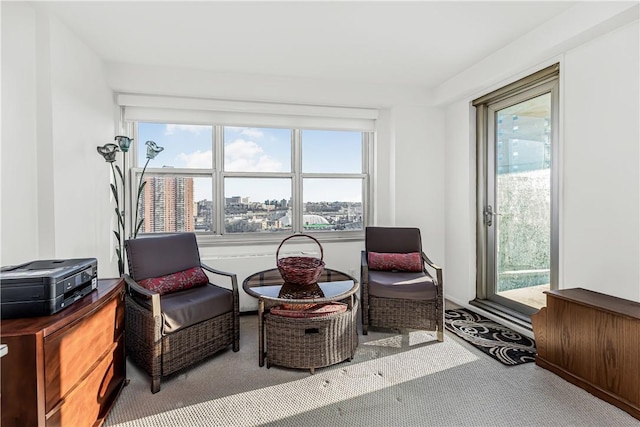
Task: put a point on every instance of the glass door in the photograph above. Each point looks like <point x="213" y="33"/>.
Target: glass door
<point x="517" y="208"/>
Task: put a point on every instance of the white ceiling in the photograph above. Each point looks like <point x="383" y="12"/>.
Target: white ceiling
<point x="421" y="43"/>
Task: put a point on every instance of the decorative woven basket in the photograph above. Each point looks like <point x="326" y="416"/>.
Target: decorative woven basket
<point x="300" y="270"/>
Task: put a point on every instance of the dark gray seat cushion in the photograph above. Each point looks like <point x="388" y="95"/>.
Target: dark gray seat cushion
<point x="186" y="308"/>
<point x="402" y="285"/>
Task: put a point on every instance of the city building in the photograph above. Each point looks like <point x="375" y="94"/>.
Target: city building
<point x="167" y="204"/>
<point x="204" y="215"/>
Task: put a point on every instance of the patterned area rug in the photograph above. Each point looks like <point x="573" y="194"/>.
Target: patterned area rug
<point x="498" y="341"/>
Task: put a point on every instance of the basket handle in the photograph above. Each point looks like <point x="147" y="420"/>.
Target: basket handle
<point x="300" y="235"/>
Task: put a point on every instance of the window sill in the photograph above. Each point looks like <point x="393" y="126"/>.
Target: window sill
<point x="210" y="240"/>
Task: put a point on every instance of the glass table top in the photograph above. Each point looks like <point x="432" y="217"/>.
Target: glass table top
<point x="332" y="285"/>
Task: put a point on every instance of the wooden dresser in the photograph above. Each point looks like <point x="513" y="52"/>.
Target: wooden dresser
<point x="593" y="341"/>
<point x="66" y="369"/>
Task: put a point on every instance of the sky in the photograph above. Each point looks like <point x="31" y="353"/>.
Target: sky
<point x="259" y="150"/>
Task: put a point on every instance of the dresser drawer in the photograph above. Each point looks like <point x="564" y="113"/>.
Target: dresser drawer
<point x="71" y="352"/>
<point x="92" y="398"/>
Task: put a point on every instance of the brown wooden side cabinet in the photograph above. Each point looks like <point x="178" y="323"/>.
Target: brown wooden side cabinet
<point x="66" y="369"/>
<point x="593" y="341"/>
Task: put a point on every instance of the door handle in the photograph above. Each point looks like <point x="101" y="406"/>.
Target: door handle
<point x="488" y="215"/>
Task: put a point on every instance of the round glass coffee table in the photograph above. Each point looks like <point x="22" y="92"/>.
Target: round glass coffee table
<point x="307" y="343"/>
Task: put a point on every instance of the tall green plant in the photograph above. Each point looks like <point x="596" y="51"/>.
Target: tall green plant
<point x="119" y="189"/>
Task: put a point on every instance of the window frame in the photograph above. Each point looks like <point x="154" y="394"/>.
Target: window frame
<point x="217" y="174"/>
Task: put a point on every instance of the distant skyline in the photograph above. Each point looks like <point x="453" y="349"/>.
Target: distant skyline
<point x="249" y="149"/>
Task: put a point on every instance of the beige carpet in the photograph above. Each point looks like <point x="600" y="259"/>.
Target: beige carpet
<point x="395" y="379"/>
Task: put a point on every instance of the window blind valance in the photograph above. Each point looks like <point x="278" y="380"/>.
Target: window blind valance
<point x="242" y="113"/>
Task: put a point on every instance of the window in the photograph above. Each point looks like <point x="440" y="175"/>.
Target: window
<point x="239" y="180"/>
<point x="332" y="180"/>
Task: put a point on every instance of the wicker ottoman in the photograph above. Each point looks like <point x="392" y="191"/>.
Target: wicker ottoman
<point x="310" y="343"/>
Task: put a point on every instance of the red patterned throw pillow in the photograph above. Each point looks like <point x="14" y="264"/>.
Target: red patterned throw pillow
<point x="312" y="310"/>
<point x="179" y="281"/>
<point x="411" y="261"/>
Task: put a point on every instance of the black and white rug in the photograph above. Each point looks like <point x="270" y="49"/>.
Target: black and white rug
<point x="498" y="341"/>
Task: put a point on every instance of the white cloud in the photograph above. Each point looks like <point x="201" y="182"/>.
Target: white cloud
<point x="195" y="129"/>
<point x="241" y="149"/>
<point x="261" y="164"/>
<point x="252" y="133"/>
<point x="197" y="159"/>
<point x="247" y="156"/>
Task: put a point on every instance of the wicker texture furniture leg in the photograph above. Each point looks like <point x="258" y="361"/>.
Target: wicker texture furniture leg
<point x="402" y="313"/>
<point x="143" y="340"/>
<point x="182" y="349"/>
<point x="310" y="343"/>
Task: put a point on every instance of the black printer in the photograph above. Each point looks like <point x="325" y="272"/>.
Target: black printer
<point x="44" y="287"/>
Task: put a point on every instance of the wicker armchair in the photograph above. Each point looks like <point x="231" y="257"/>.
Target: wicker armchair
<point x="400" y="299"/>
<point x="165" y="333"/>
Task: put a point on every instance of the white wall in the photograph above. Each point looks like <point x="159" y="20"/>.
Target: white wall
<point x="19" y="204"/>
<point x="83" y="118"/>
<point x="419" y="176"/>
<point x="599" y="143"/>
<point x="57" y="108"/>
<point x="175" y="81"/>
<point x="459" y="203"/>
<point x="601" y="150"/>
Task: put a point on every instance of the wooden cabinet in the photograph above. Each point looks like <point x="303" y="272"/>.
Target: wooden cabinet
<point x="593" y="341"/>
<point x="66" y="369"/>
